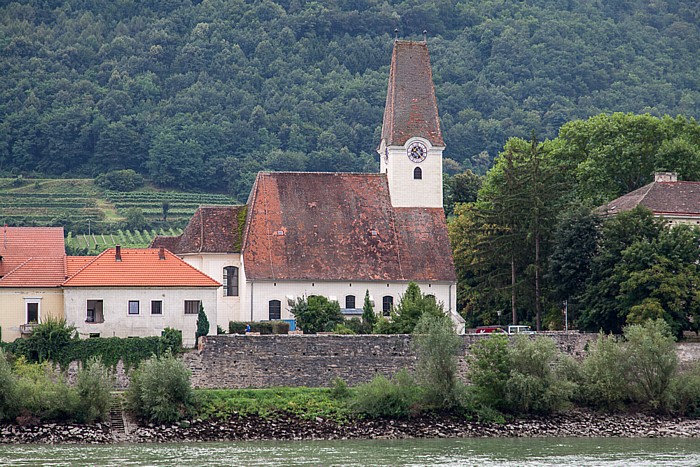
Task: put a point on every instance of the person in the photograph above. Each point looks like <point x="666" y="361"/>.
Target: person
<point x="247" y="328"/>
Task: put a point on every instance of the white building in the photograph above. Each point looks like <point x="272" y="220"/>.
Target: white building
<point x="338" y="234"/>
<point x="129" y="292"/>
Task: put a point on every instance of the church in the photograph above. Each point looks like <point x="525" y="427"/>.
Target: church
<point x="338" y="234"/>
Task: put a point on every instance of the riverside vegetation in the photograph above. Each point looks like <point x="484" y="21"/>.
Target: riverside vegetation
<point x="527" y="378"/>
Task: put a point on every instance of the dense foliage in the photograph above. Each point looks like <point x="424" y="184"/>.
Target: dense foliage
<point x="316" y="314"/>
<point x="202" y="95"/>
<point x="405" y="315"/>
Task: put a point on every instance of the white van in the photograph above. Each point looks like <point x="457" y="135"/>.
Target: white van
<point x="520" y="330"/>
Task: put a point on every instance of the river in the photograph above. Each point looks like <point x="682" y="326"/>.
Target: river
<point x="560" y="452"/>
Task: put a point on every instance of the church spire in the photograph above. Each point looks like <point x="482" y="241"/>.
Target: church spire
<point x="411" y="107"/>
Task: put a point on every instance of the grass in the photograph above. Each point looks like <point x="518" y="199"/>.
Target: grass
<point x="305" y="403"/>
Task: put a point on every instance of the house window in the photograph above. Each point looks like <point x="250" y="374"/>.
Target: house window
<point x="275" y="310"/>
<point x="349" y="301"/>
<point x="32" y="312"/>
<point x="230" y="281"/>
<point x="133" y="307"/>
<point x="95" y="312"/>
<point x="387" y="304"/>
<point x="191" y="307"/>
<point x="431" y="297"/>
<point x="156" y="307"/>
<point x="417" y="174"/>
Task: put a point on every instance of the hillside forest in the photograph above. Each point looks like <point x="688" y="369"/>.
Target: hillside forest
<point x="200" y="95"/>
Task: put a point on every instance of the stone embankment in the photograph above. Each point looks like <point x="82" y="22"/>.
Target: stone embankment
<point x="283" y="427"/>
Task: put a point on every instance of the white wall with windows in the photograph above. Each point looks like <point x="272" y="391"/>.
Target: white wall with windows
<point x="138" y="312"/>
<point x="19" y="306"/>
<point x="265" y="298"/>
<point x="216" y="265"/>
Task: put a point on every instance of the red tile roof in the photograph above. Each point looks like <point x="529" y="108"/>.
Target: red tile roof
<point x="212" y="229"/>
<point x="411" y="108"/>
<point x="341" y="226"/>
<point x="32" y="256"/>
<point x="139" y="267"/>
<point x="671" y="198"/>
<point x="76" y="263"/>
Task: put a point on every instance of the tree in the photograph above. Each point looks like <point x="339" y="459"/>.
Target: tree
<point x="316" y="314"/>
<point x="166" y="208"/>
<point x="135" y="219"/>
<point x="369" y="317"/>
<point x="406" y="314"/>
<point x="202" y="324"/>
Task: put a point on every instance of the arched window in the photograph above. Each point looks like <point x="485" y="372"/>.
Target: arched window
<point x="349" y="301"/>
<point x="275" y="310"/>
<point x="417" y="174"/>
<point x="431" y="297"/>
<point x="230" y="281"/>
<point x="387" y="304"/>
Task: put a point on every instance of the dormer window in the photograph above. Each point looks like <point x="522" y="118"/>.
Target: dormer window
<point x="417" y="174"/>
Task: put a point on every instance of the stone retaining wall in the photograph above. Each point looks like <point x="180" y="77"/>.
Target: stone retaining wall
<point x="240" y="361"/>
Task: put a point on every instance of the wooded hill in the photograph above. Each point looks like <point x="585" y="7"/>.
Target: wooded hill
<point x="202" y="95"/>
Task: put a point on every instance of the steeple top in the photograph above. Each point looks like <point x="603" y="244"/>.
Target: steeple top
<point x="411" y="108"/>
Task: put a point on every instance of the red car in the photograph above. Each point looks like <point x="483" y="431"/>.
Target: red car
<point x="490" y="330"/>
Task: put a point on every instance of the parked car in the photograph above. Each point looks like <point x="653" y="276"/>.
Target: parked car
<point x="490" y="330"/>
<point x="519" y="329"/>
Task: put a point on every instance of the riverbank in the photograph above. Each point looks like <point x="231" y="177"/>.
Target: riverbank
<point x="284" y="427"/>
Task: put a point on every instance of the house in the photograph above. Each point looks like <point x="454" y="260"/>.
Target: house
<point x="338" y="234"/>
<point x="32" y="269"/>
<point x="132" y="292"/>
<point x="678" y="202"/>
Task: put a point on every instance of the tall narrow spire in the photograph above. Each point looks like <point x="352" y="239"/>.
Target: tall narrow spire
<point x="411" y="108"/>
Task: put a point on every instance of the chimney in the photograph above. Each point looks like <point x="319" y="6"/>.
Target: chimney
<point x="118" y="253"/>
<point x="161" y="253"/>
<point x="669" y="177"/>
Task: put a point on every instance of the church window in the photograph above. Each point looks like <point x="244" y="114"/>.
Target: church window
<point x="387" y="304"/>
<point x="417" y="174"/>
<point x="349" y="301"/>
<point x="275" y="310"/>
<point x="230" y="281"/>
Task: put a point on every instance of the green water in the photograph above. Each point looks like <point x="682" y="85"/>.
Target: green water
<point x="559" y="452"/>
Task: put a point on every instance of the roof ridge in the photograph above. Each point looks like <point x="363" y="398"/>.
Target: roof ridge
<point x="177" y="258"/>
<point x="86" y="264"/>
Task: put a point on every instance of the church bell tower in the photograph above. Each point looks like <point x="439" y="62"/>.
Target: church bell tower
<point x="411" y="147"/>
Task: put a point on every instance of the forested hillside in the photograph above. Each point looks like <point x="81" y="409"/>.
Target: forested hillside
<point x="202" y="95"/>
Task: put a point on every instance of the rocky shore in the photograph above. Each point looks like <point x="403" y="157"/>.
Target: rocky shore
<point x="284" y="427"/>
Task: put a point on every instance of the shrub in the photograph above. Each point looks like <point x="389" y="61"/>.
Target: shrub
<point x="369" y="317"/>
<point x="316" y="314"/>
<point x="685" y="392"/>
<point x="172" y="338"/>
<point x="280" y="327"/>
<point x="94" y="387"/>
<point x="9" y="395"/>
<point x="412" y="305"/>
<point x="436" y="345"/>
<point x="236" y="327"/>
<point x="49" y="340"/>
<point x="220" y="330"/>
<point x="45" y="394"/>
<point x="339" y="389"/>
<point x="489" y="370"/>
<point x="343" y="329"/>
<point x="383" y="397"/>
<point x="202" y="324"/>
<point x="651" y="361"/>
<point x="263" y="327"/>
<point x="120" y="180"/>
<point x="602" y="374"/>
<point x="160" y="390"/>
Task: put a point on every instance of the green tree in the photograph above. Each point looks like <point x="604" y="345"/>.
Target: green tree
<point x="9" y="395"/>
<point x="202" y="324"/>
<point x="94" y="387"/>
<point x="135" y="219"/>
<point x="316" y="314"/>
<point x="369" y="317"/>
<point x="405" y="315"/>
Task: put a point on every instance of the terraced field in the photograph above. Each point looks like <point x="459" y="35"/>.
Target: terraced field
<point x="96" y="243"/>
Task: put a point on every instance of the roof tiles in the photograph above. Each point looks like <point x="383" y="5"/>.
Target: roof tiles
<point x="32" y="256"/>
<point x="680" y="198"/>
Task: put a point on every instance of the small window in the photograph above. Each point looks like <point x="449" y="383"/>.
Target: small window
<point x="230" y="281"/>
<point x="417" y="174"/>
<point x="156" y="307"/>
<point x="94" y="335"/>
<point x="275" y="310"/>
<point x="349" y="301"/>
<point x="32" y="312"/>
<point x="133" y="307"/>
<point x="95" y="313"/>
<point x="191" y="307"/>
<point x="431" y="297"/>
<point x="387" y="304"/>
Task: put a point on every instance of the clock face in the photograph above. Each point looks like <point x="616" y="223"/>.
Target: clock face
<point x="417" y="152"/>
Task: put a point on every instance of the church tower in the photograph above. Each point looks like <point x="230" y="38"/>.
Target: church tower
<point x="411" y="147"/>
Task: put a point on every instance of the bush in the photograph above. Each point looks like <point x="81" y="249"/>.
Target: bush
<point x="602" y="384"/>
<point x="120" y="180"/>
<point x="339" y="389"/>
<point x="685" y="392"/>
<point x="343" y="329"/>
<point x="202" y="324"/>
<point x="172" y="339"/>
<point x="236" y="327"/>
<point x="48" y="341"/>
<point x="404" y="317"/>
<point x="382" y="397"/>
<point x="316" y="314"/>
<point x="45" y="395"/>
<point x="489" y="370"/>
<point x="263" y="327"/>
<point x="9" y="395"/>
<point x="436" y="345"/>
<point x="160" y="390"/>
<point x="94" y="387"/>
<point x="280" y="327"/>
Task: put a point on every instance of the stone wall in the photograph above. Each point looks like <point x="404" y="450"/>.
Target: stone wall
<point x="239" y="361"/>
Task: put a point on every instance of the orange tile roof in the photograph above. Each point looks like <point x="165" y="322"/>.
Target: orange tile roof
<point x="32" y="256"/>
<point x="76" y="263"/>
<point x="139" y="267"/>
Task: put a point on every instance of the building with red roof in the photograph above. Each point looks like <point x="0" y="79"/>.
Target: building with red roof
<point x="32" y="269"/>
<point x="338" y="234"/>
<point x="137" y="292"/>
